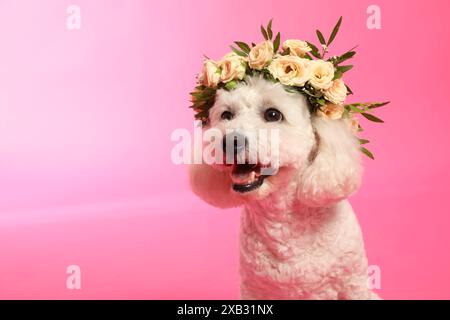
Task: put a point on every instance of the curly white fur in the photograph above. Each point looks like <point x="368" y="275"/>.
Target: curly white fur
<point x="299" y="236"/>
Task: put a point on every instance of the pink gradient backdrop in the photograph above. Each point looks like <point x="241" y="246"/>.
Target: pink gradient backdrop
<point x="85" y="123"/>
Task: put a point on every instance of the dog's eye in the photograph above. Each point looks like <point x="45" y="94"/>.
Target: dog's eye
<point x="273" y="115"/>
<point x="226" y="115"/>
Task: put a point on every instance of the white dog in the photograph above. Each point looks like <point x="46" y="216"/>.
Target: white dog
<point x="299" y="237"/>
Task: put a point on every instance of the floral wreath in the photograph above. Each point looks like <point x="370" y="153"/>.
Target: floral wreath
<point x="298" y="65"/>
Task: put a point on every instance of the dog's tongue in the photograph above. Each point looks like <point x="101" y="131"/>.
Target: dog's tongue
<point x="243" y="173"/>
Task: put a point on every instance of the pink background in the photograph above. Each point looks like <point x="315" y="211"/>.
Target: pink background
<point x="85" y="123"/>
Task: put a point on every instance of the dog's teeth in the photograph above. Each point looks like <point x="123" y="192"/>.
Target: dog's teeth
<point x="241" y="178"/>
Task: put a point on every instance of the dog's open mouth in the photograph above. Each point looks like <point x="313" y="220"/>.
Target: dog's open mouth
<point x="247" y="177"/>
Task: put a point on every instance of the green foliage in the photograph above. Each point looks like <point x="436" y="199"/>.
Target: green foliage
<point x="269" y="30"/>
<point x="264" y="33"/>
<point x="238" y="52"/>
<point x="363" y="141"/>
<point x="202" y="99"/>
<point x="367" y="152"/>
<point x="334" y="32"/>
<point x="244" y="47"/>
<point x="230" y="85"/>
<point x="320" y="37"/>
<point x="276" y="43"/>
<point x="314" y="50"/>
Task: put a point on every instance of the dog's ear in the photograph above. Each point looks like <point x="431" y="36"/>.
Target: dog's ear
<point x="335" y="169"/>
<point x="213" y="186"/>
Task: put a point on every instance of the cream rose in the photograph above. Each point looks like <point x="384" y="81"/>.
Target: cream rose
<point x="290" y="70"/>
<point x="296" y="47"/>
<point x="210" y="75"/>
<point x="331" y="111"/>
<point x="232" y="67"/>
<point x="322" y="73"/>
<point x="337" y="92"/>
<point x="260" y="55"/>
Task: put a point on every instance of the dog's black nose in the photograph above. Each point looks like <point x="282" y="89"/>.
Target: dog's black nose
<point x="234" y="143"/>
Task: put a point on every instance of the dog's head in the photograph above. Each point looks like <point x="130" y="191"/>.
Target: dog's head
<point x="276" y="146"/>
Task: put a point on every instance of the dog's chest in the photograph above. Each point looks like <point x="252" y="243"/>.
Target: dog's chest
<point x="291" y="254"/>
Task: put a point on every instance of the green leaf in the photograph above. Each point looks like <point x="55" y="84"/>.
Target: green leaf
<point x="337" y="75"/>
<point x="344" y="69"/>
<point x="314" y="51"/>
<point x="320" y="101"/>
<point x="307" y="56"/>
<point x="269" y="29"/>
<point x="203" y="114"/>
<point x="345" y="56"/>
<point x="264" y="33"/>
<point x="231" y="85"/>
<point x="377" y="104"/>
<point x="367" y="153"/>
<point x="363" y="141"/>
<point x="268" y="76"/>
<point x="244" y="47"/>
<point x="320" y="37"/>
<point x="335" y="31"/>
<point x="199" y="98"/>
<point x="358" y="104"/>
<point x="371" y="117"/>
<point x="238" y="52"/>
<point x="354" y="108"/>
<point x="276" y="43"/>
<point x="311" y="92"/>
<point x="290" y="89"/>
<point x="196" y="94"/>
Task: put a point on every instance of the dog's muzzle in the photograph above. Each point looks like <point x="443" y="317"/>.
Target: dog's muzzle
<point x="246" y="176"/>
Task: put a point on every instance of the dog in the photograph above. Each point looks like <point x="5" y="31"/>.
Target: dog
<point x="299" y="237"/>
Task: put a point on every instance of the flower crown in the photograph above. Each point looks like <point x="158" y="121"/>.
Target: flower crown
<point x="298" y="65"/>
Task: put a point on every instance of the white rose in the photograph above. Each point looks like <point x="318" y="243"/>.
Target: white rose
<point x="322" y="73"/>
<point x="260" y="55"/>
<point x="337" y="92"/>
<point x="290" y="70"/>
<point x="232" y="67"/>
<point x="210" y="75"/>
<point x="331" y="111"/>
<point x="296" y="47"/>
